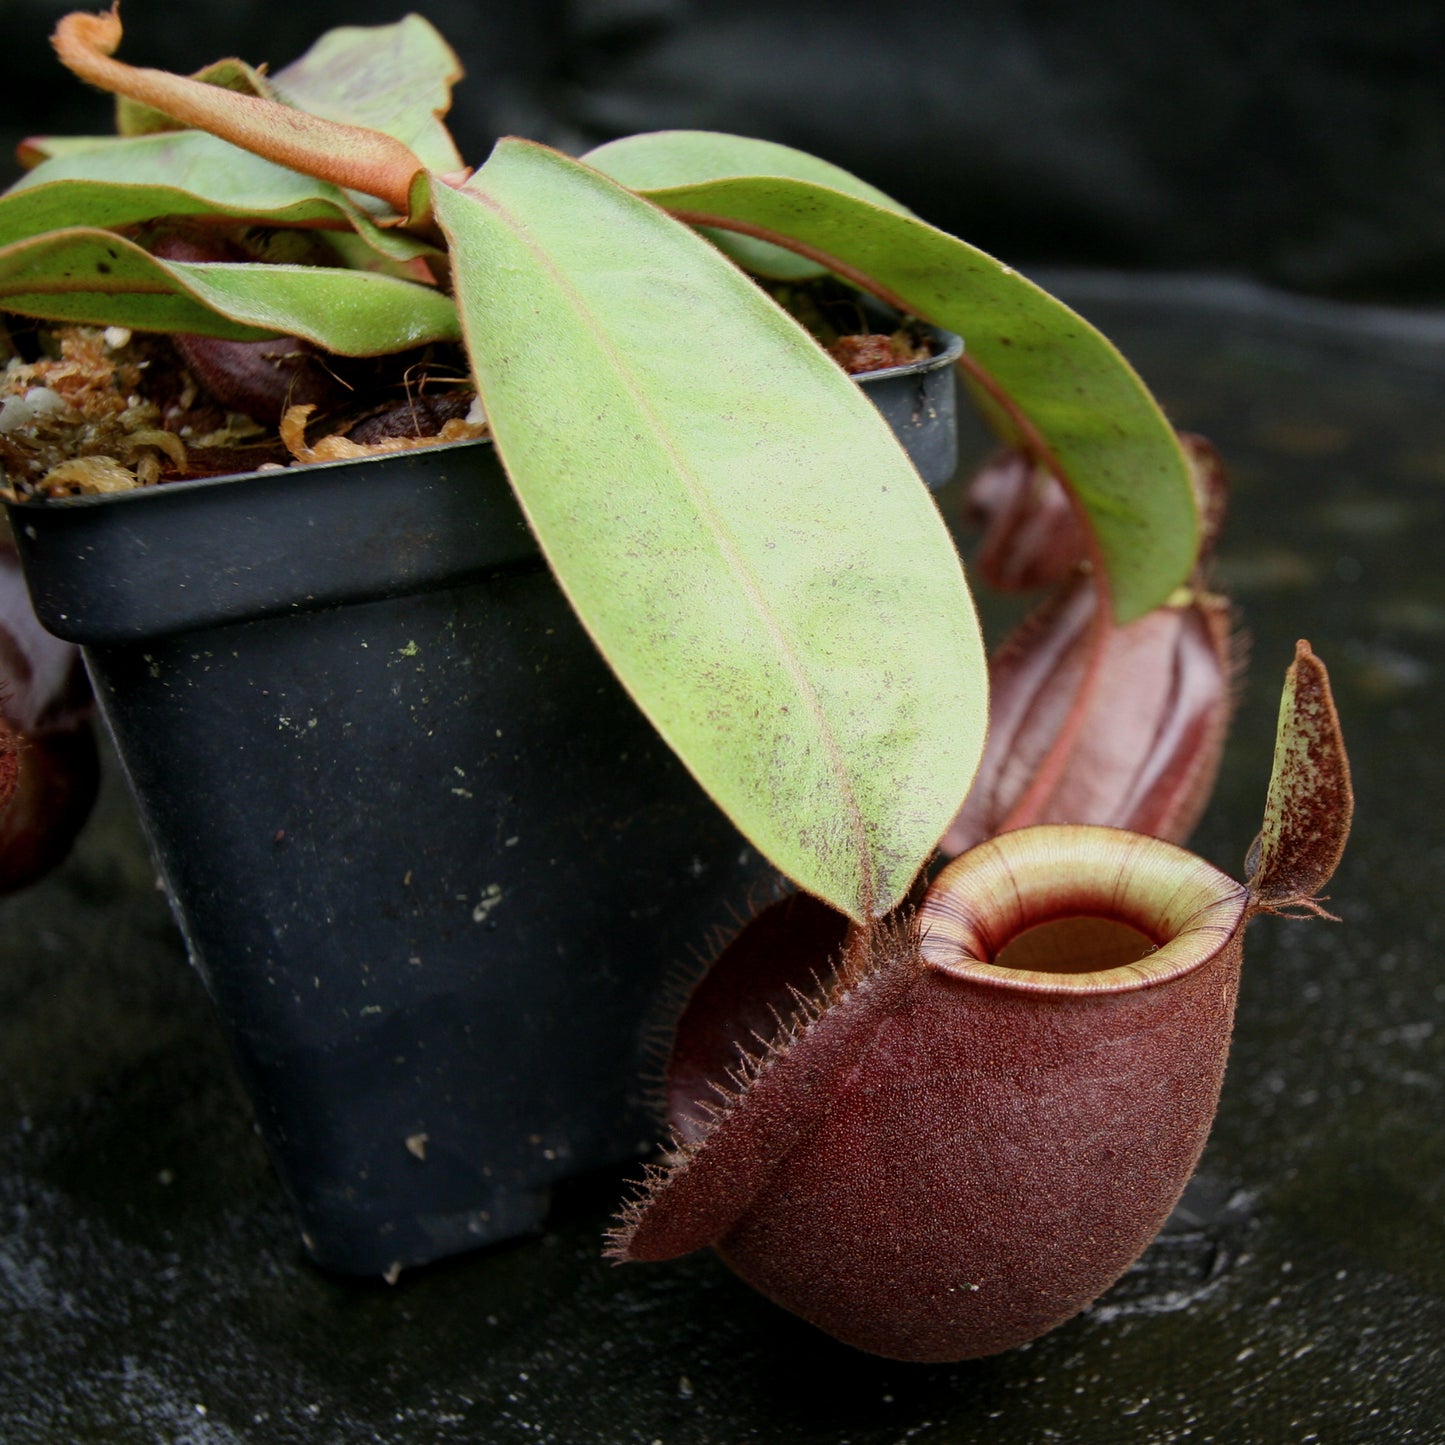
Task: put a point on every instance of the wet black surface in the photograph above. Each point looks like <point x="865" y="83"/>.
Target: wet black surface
<point x="151" y="1287"/>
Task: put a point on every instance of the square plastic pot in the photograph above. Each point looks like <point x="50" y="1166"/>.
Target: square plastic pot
<point x="434" y="867"/>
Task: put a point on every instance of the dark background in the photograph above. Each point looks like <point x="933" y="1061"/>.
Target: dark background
<point x="151" y="1284"/>
<point x="1298" y="145"/>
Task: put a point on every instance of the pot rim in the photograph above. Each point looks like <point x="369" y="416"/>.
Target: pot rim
<point x="950" y="349"/>
<point x="194" y="485"/>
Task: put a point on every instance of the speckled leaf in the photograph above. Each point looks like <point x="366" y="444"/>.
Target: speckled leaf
<point x="1049" y="368"/>
<point x="736" y="526"/>
<point x="98" y="277"/>
<point x="1310" y="802"/>
<point x="393" y="78"/>
<point x="119" y="181"/>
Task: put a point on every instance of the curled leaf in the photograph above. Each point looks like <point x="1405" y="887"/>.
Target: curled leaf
<point x="134" y="118"/>
<point x="352" y="156"/>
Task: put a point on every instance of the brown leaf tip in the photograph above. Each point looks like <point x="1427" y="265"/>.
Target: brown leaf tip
<point x="81" y="32"/>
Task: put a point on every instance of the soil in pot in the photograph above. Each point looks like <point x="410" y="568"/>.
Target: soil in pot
<point x="88" y="411"/>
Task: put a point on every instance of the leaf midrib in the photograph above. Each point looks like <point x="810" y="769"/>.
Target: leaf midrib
<point x="722" y="536"/>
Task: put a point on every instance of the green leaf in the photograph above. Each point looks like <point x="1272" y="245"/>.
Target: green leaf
<point x="732" y="520"/>
<point x="37" y="148"/>
<point x="122" y="181"/>
<point x="1113" y="445"/>
<point x="393" y="78"/>
<point x="663" y="158"/>
<point x="100" y="278"/>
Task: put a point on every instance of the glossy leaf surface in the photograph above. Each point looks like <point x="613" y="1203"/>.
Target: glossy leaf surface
<point x="1054" y="371"/>
<point x="97" y="277"/>
<point x="732" y="520"/>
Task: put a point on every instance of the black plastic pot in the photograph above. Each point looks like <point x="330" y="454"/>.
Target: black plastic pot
<point x="431" y="862"/>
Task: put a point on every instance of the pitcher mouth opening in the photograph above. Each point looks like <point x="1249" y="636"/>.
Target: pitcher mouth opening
<point x="1065" y="908"/>
<point x="1082" y="943"/>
